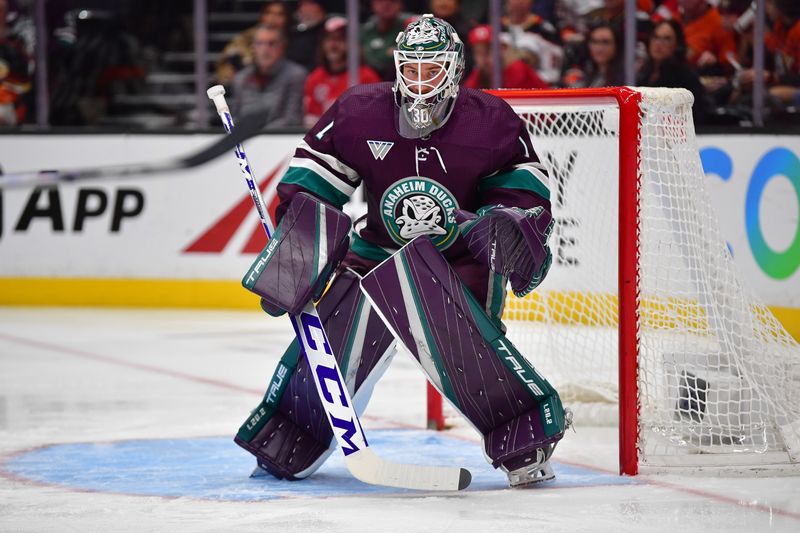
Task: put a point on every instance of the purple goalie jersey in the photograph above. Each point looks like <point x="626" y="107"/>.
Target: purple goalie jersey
<point x="481" y="156"/>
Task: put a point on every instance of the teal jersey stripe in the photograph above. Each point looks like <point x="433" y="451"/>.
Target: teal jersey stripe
<point x="516" y="179"/>
<point x="308" y="179"/>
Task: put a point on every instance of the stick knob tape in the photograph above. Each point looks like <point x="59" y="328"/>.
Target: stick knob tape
<point x="217" y="95"/>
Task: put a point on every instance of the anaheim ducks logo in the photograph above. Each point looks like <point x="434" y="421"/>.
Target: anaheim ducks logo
<point x="418" y="206"/>
<point x="424" y="33"/>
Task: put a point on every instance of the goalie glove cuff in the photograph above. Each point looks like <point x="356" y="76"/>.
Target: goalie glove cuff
<point x="521" y="286"/>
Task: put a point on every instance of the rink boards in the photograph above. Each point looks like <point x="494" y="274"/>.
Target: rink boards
<point x="184" y="240"/>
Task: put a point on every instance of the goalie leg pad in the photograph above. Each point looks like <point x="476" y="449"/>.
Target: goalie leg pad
<point x="308" y="244"/>
<point x="465" y="355"/>
<point x="288" y="432"/>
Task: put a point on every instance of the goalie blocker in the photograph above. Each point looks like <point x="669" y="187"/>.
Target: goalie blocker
<point x="295" y="266"/>
<point x="469" y="359"/>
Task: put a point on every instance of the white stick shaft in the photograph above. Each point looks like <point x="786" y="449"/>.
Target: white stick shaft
<point x="328" y="379"/>
<point x="307" y="324"/>
<point x="217" y="95"/>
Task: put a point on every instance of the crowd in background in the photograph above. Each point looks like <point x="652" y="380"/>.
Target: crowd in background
<point x="292" y="63"/>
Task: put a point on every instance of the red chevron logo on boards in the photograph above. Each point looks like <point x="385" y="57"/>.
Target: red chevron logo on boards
<point x="217" y="237"/>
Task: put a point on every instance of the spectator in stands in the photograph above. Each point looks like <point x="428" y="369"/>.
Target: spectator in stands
<point x="781" y="66"/>
<point x="708" y="43"/>
<point x="378" y="35"/>
<point x="516" y="73"/>
<point x="18" y="21"/>
<point x="783" y="42"/>
<point x="547" y="10"/>
<point x="238" y="53"/>
<point x="738" y="15"/>
<point x="15" y="79"/>
<point x="543" y="56"/>
<point x="272" y="85"/>
<point x="604" y="66"/>
<point x="330" y="79"/>
<point x="306" y="35"/>
<point x="275" y="14"/>
<point x="666" y="65"/>
<point x="519" y="19"/>
<point x="450" y="11"/>
<point x="573" y="26"/>
<point x="572" y="17"/>
<point x="104" y="62"/>
<point x="613" y="11"/>
<point x="666" y="10"/>
<point x="533" y="39"/>
<point x="474" y="11"/>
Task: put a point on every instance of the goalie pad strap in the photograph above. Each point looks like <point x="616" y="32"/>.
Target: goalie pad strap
<point x="294" y="267"/>
<point x="467" y="357"/>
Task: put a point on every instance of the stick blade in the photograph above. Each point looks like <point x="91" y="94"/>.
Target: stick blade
<point x="366" y="466"/>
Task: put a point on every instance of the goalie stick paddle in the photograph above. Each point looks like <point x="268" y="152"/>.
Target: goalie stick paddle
<point x="360" y="460"/>
<point x="249" y="127"/>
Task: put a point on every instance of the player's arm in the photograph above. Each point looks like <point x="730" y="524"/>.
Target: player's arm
<point x="519" y="178"/>
<point x="509" y="233"/>
<point x="317" y="168"/>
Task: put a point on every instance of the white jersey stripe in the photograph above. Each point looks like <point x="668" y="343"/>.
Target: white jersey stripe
<point x="525" y="147"/>
<point x="538" y="170"/>
<point x="324" y="173"/>
<point x="334" y="163"/>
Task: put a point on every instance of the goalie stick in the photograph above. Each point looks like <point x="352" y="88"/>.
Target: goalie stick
<point x="249" y="127"/>
<point x="359" y="458"/>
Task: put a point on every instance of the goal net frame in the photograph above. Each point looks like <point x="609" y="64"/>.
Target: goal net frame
<point x="629" y="101"/>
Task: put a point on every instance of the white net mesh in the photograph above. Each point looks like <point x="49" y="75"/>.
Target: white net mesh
<point x="718" y="375"/>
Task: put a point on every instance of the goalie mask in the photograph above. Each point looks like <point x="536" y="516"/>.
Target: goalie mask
<point x="429" y="63"/>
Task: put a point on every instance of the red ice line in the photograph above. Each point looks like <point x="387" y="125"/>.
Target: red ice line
<point x="155" y="370"/>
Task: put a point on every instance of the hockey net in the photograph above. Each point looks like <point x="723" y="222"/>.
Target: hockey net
<point x="643" y="320"/>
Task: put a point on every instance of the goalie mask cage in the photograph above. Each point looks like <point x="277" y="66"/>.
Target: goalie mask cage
<point x="643" y="318"/>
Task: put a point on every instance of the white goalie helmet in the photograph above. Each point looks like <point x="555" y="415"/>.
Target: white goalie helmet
<point x="429" y="63"/>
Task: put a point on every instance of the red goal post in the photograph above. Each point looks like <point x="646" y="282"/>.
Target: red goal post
<point x="703" y="375"/>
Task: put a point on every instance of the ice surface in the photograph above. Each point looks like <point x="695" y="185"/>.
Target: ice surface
<point x="122" y="421"/>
